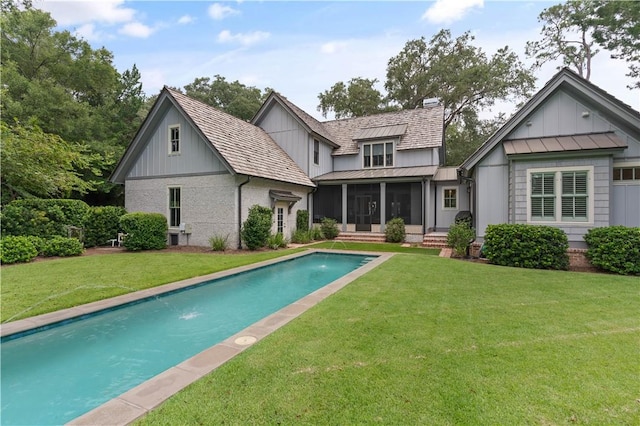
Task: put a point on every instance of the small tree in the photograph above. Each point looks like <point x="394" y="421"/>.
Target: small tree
<point x="257" y="228"/>
<point x="460" y="237"/>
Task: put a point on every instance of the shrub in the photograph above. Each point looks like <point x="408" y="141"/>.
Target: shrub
<point x="257" y="228"/>
<point x="315" y="233"/>
<point x="460" y="237"/>
<point x="14" y="249"/>
<point x="42" y="217"/>
<point x="62" y="246"/>
<point x="218" y="243"/>
<point x="329" y="228"/>
<point x="614" y="249"/>
<point x="102" y="224"/>
<point x="302" y="220"/>
<point x="527" y="246"/>
<point x="276" y="241"/>
<point x="301" y="237"/>
<point x="145" y="231"/>
<point x="37" y="242"/>
<point x="394" y="230"/>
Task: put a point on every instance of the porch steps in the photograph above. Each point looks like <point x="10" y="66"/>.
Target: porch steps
<point x="368" y="237"/>
<point x="435" y="240"/>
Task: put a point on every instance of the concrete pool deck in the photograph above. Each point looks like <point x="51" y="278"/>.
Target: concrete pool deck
<point x="136" y="402"/>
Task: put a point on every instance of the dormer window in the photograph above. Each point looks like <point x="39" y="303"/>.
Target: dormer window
<point x="174" y="139"/>
<point x="377" y="155"/>
<point x="316" y="151"/>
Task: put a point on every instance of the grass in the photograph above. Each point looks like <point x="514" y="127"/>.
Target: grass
<point x="425" y="340"/>
<point x="386" y="247"/>
<point x="41" y="287"/>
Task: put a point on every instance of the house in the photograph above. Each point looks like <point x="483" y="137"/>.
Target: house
<point x="570" y="157"/>
<point x="203" y="169"/>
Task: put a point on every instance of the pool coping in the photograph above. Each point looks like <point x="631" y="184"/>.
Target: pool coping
<point x="141" y="399"/>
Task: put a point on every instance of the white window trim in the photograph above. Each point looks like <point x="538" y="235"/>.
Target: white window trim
<point x="384" y="144"/>
<point x="558" y="204"/>
<point x="444" y="189"/>
<point x="174" y="126"/>
<point x="625" y="164"/>
<point x="169" y="188"/>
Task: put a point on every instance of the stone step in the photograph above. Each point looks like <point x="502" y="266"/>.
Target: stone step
<point x="369" y="237"/>
<point x="434" y="241"/>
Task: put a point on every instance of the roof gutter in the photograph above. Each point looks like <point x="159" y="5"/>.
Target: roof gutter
<point x="240" y="211"/>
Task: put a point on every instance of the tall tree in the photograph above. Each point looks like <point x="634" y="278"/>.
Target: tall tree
<point x="457" y="73"/>
<point x="356" y="98"/>
<point x="465" y="135"/>
<point x="566" y="35"/>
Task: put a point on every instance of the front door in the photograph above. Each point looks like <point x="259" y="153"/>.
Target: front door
<point x="363" y="212"/>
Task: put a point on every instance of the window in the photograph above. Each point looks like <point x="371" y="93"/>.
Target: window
<point x="174" y="139"/>
<point x="560" y="195"/>
<point x="316" y="151"/>
<point x="280" y="220"/>
<point x="174" y="207"/>
<point x="626" y="173"/>
<point x="450" y="198"/>
<point x="377" y="155"/>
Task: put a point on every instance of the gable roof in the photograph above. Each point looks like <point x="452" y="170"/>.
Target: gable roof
<point x="246" y="149"/>
<point x="573" y="83"/>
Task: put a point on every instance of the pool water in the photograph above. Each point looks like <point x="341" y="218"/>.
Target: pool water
<point x="55" y="375"/>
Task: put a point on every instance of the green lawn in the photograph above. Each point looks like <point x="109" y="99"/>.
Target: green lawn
<point x="386" y="247"/>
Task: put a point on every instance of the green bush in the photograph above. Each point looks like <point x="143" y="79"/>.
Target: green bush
<point x="614" y="249"/>
<point x="315" y="233"/>
<point x="14" y="249"/>
<point x="62" y="246"/>
<point x="102" y="224"/>
<point x="218" y="243"/>
<point x="460" y="237"/>
<point x="145" y="231"/>
<point x="302" y="220"/>
<point x="394" y="230"/>
<point x="276" y="241"/>
<point x="37" y="242"/>
<point x="301" y="237"/>
<point x="257" y="228"/>
<point x="44" y="218"/>
<point x="329" y="228"/>
<point x="527" y="246"/>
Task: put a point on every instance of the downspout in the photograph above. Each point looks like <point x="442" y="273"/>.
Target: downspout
<point x="240" y="211"/>
<point x="313" y="191"/>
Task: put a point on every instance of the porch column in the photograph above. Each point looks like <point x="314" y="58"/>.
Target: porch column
<point x="427" y="204"/>
<point x="383" y="205"/>
<point x="344" y="207"/>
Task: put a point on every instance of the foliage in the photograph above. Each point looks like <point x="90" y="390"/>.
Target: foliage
<point x="329" y="228"/>
<point x="464" y="136"/>
<point x="527" y="246"/>
<point x="257" y="228"/>
<point x="614" y="249"/>
<point x="219" y="243"/>
<point x="302" y="220"/>
<point x="394" y="230"/>
<point x="301" y="237"/>
<point x="38" y="243"/>
<point x="460" y="237"/>
<point x="231" y="97"/>
<point x="457" y="73"/>
<point x="62" y="246"/>
<point x="357" y="98"/>
<point x="14" y="249"/>
<point x="565" y="34"/>
<point x="276" y="241"/>
<point x="35" y="163"/>
<point x="315" y="233"/>
<point x="42" y="217"/>
<point x="102" y="224"/>
<point x="145" y="231"/>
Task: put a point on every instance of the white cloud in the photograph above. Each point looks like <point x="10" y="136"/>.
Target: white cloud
<point x="186" y="19"/>
<point x="448" y="11"/>
<point x="136" y="29"/>
<point x="89" y="32"/>
<point x="68" y="13"/>
<point x="245" y="39"/>
<point x="333" y="47"/>
<point x="219" y="12"/>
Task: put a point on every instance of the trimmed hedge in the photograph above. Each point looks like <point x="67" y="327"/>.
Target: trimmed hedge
<point x="394" y="230"/>
<point x="527" y="246"/>
<point x="145" y="231"/>
<point x="14" y="249"/>
<point x="256" y="230"/>
<point x="62" y="246"/>
<point x="44" y="218"/>
<point x="614" y="249"/>
<point x="102" y="224"/>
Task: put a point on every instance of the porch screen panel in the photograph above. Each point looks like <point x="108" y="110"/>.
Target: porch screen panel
<point x="327" y="202"/>
<point x="363" y="190"/>
<point x="404" y="200"/>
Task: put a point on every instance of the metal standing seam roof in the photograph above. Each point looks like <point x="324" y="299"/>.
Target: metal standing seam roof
<point x="381" y="173"/>
<point x="248" y="149"/>
<point x="380" y="132"/>
<point x="589" y="141"/>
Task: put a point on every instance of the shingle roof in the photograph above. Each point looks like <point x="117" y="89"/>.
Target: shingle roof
<point x="314" y="125"/>
<point x="248" y="149"/>
<point x="424" y="128"/>
<point x="588" y="141"/>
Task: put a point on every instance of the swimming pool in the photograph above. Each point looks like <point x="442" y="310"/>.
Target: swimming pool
<point x="57" y="374"/>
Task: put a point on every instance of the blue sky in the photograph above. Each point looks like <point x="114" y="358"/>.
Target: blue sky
<point x="301" y="48"/>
